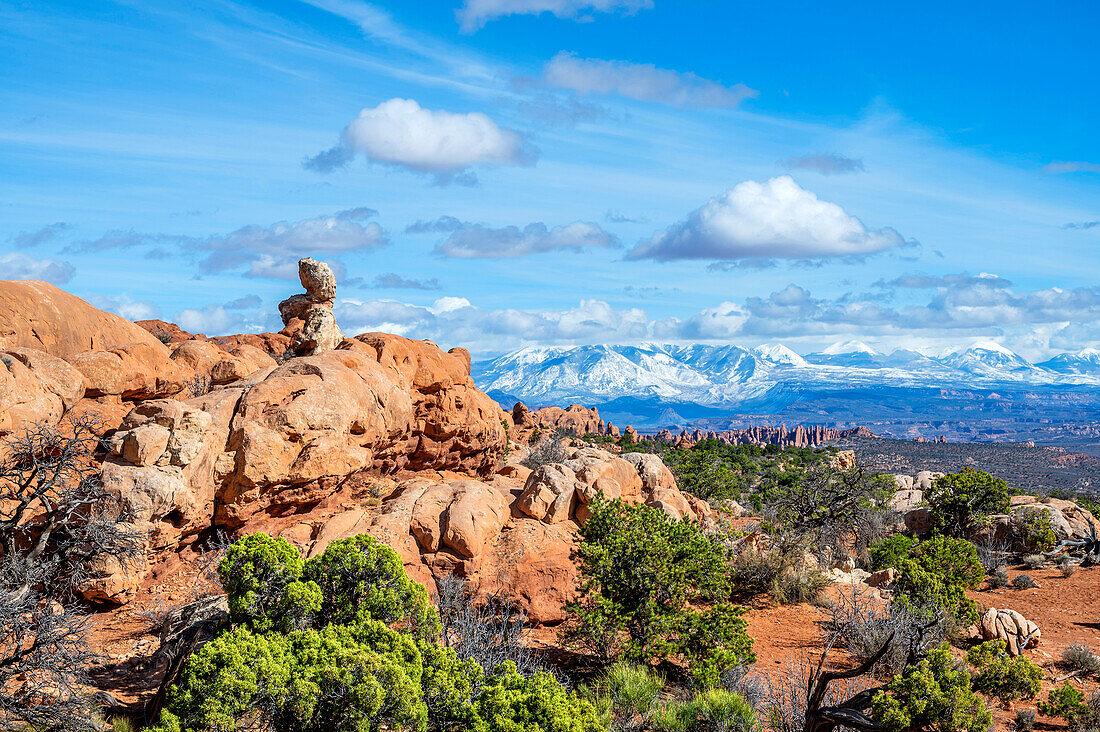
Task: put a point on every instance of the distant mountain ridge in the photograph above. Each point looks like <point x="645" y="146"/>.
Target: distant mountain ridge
<point x="698" y="381"/>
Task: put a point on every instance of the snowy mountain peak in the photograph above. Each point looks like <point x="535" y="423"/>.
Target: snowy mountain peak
<point x="987" y="345"/>
<point x="1085" y="361"/>
<point x="779" y="354"/>
<point x="848" y="347"/>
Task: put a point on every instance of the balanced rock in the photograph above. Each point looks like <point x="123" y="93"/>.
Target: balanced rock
<point x="318" y="331"/>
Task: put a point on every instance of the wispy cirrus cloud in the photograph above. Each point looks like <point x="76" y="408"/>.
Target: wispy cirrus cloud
<point x="825" y="163"/>
<point x="921" y="281"/>
<point x="393" y="281"/>
<point x="1071" y="166"/>
<point x="446" y="145"/>
<point x="28" y="239"/>
<point x="439" y="225"/>
<point x="477" y="241"/>
<point x="777" y="219"/>
<point x="270" y="251"/>
<point x="474" y="14"/>
<point x="641" y="82"/>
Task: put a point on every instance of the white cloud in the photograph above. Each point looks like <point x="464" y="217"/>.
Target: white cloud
<point x="642" y="82"/>
<point x="18" y="266"/>
<point x="125" y="306"/>
<point x="401" y="133"/>
<point x="777" y="219"/>
<point x="475" y="241"/>
<point x="274" y="251"/>
<point x="210" y="320"/>
<point x="474" y="14"/>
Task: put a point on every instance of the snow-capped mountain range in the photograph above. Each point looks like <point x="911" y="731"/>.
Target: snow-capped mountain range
<point x="763" y="378"/>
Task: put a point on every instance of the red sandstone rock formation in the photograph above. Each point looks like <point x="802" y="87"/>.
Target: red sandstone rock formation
<point x="40" y="316"/>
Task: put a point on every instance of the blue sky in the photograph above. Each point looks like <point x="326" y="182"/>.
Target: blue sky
<point x="496" y="173"/>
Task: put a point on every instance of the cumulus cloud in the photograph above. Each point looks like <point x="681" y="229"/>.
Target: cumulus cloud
<point x="28" y="239"/>
<point x="476" y="241"/>
<point x="1071" y="166"/>
<point x="474" y="14"/>
<point x="210" y="320"/>
<point x="825" y="163"/>
<point x="125" y="306"/>
<point x="273" y="251"/>
<point x="401" y="133"/>
<point x="18" y="266"/>
<point x="777" y="219"/>
<point x="641" y="82"/>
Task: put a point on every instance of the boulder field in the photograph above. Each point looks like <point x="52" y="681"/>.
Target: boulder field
<point x="376" y="433"/>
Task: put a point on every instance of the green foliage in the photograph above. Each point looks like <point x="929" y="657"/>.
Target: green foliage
<point x="1088" y="503"/>
<point x="631" y="695"/>
<point x="345" y="642"/>
<point x="1002" y="676"/>
<point x="933" y="695"/>
<point x="364" y="679"/>
<point x="705" y="473"/>
<point x="644" y="575"/>
<point x="262" y="579"/>
<point x="890" y="550"/>
<point x="715" y="471"/>
<point x="449" y="685"/>
<point x="362" y="576"/>
<point x="962" y="501"/>
<point x="714" y="710"/>
<point x="1032" y="530"/>
<point x="511" y="703"/>
<point x="1069" y="704"/>
<point x="936" y="575"/>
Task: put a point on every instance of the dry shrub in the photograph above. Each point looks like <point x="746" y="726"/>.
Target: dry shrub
<point x="1034" y="561"/>
<point x="783" y="708"/>
<point x="547" y="451"/>
<point x="1023" y="582"/>
<point x="1078" y="657"/>
<point x="861" y="623"/>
